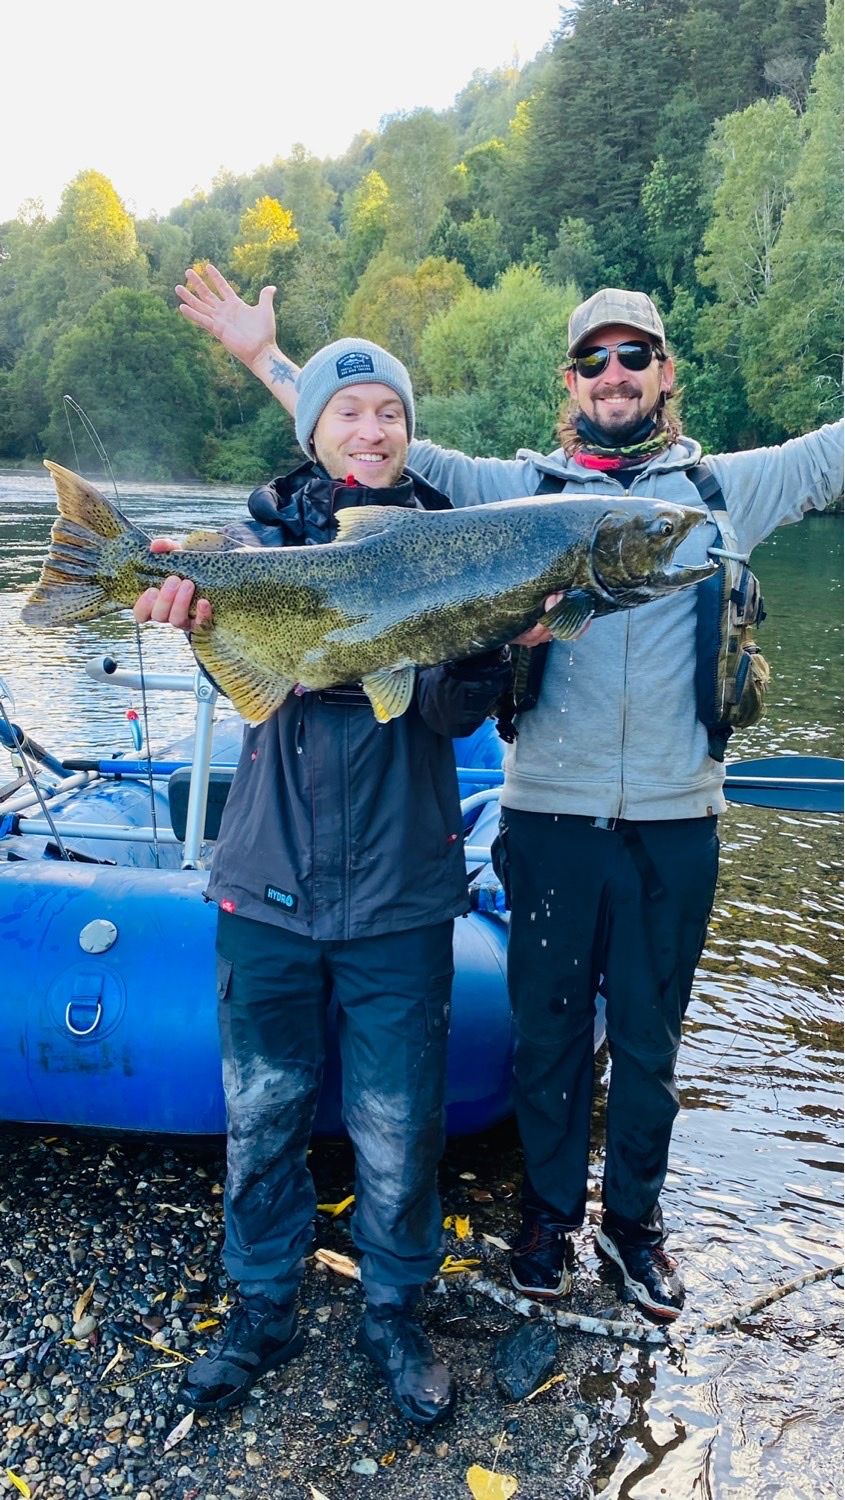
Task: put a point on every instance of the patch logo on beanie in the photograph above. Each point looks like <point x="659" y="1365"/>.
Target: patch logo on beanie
<point x="354" y="363"/>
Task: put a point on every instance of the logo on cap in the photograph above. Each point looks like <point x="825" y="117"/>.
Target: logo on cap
<point x="354" y="364"/>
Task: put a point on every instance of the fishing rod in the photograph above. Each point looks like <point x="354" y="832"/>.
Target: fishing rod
<point x="90" y="430"/>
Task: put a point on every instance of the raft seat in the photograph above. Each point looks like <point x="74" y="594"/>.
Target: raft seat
<point x="178" y="790"/>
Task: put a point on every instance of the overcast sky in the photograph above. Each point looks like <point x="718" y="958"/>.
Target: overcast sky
<point x="159" y="96"/>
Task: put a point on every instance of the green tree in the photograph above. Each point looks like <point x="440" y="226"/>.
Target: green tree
<point x="492" y="361"/>
<point x="365" y="214"/>
<point x="476" y="243"/>
<point x="309" y="195"/>
<point x="415" y="157"/>
<point x="251" y="451"/>
<point x="213" y="233"/>
<point x="312" y="295"/>
<point x="393" y="302"/>
<point x="167" y="248"/>
<point x="711" y="386"/>
<point x="142" y="374"/>
<point x="575" y="257"/>
<point x="793" y="361"/>
<point x="755" y="154"/>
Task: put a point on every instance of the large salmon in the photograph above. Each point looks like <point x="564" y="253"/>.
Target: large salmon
<point x="397" y="590"/>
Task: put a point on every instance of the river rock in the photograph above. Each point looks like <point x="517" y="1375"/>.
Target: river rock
<point x="524" y="1359"/>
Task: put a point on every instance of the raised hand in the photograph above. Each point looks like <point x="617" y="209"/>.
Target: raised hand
<point x="247" y="331"/>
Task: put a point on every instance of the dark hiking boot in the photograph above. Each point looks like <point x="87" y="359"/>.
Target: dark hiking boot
<point x="420" y="1385"/>
<point x="539" y="1257"/>
<point x="648" y="1271"/>
<point x="260" y="1336"/>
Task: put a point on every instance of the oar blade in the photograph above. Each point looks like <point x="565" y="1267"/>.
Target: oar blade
<point x="794" y="783"/>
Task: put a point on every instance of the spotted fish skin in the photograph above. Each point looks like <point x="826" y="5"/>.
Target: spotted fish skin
<point x="398" y="589"/>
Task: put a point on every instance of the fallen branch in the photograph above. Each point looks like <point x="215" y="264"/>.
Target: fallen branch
<point x="615" y="1328"/>
<point x="774" y="1294"/>
<point x="609" y="1328"/>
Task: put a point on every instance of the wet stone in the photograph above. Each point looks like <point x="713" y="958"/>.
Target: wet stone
<point x="524" y="1359"/>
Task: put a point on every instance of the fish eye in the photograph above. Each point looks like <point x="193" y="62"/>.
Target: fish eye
<point x="665" y="527"/>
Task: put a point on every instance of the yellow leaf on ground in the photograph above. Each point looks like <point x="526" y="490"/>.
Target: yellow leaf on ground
<point x="81" y="1303"/>
<point x="20" y="1484"/>
<point x="206" y="1323"/>
<point x="339" y="1263"/>
<point x="451" y="1265"/>
<point x="461" y="1225"/>
<point x="388" y="1458"/>
<point x="317" y="1494"/>
<point x="180" y="1430"/>
<point x="547" y="1384"/>
<point x="336" y="1208"/>
<point x="485" y="1485"/>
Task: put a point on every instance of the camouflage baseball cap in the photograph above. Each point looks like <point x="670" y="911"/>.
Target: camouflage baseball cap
<point x="612" y="305"/>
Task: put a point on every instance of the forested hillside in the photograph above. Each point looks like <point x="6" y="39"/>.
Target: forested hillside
<point x="690" y="148"/>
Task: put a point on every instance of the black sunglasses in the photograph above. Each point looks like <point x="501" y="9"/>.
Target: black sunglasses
<point x="633" y="354"/>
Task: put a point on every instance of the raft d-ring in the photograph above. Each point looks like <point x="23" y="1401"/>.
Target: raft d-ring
<point x="75" y="1030"/>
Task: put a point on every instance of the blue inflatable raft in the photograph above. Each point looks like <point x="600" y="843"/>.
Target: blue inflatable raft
<point x="107" y="999"/>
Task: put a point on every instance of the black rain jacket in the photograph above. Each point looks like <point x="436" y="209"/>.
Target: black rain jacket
<point x="337" y="826"/>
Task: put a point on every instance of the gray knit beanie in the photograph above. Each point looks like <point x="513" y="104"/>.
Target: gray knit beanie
<point x="347" y="362"/>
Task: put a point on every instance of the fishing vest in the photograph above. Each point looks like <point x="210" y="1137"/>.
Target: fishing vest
<point x="731" y="674"/>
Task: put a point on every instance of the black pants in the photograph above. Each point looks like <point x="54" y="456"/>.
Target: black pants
<point x="393" y="994"/>
<point x="628" y="906"/>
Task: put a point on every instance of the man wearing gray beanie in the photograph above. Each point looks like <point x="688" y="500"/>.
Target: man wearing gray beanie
<point x="339" y="867"/>
<point x="348" y="362"/>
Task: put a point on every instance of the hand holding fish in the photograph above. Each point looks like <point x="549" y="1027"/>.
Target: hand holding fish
<point x="538" y="635"/>
<point x="246" y="332"/>
<point x="171" y="604"/>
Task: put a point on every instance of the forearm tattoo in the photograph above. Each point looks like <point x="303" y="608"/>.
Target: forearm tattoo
<point x="281" y="371"/>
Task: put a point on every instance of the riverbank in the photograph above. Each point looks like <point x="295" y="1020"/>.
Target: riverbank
<point x="113" y="1261"/>
<point x="112" y="1280"/>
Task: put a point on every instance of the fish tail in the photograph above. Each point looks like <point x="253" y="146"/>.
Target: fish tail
<point x="75" y="576"/>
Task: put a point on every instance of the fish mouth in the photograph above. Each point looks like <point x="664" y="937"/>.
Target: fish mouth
<point x="679" y="577"/>
<point x="669" y="574"/>
<point x="658" y="572"/>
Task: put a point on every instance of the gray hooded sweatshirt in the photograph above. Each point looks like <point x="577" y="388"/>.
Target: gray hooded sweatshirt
<point x="615" y="732"/>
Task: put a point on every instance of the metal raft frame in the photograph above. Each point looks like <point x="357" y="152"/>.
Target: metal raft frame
<point x="104" y="670"/>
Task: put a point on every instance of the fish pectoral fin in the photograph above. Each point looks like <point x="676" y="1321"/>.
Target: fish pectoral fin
<point x="355" y="522"/>
<point x="208" y="541"/>
<point x="570" y="618"/>
<point x="253" y="690"/>
<point x="390" y="692"/>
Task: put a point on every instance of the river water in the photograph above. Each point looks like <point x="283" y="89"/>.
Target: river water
<point x="754" y="1192"/>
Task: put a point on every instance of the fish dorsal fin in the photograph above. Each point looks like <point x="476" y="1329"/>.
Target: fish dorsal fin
<point x="390" y="691"/>
<point x="208" y="541"/>
<point x="254" y="691"/>
<point x="355" y="522"/>
<point x="570" y="618"/>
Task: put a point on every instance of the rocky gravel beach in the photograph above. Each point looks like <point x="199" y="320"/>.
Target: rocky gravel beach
<point x="111" y="1279"/>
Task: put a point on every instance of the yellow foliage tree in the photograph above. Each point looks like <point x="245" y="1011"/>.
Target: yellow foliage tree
<point x="266" y="232"/>
<point x="93" y="222"/>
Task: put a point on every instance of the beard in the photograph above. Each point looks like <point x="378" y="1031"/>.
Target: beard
<point x="619" y="428"/>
